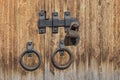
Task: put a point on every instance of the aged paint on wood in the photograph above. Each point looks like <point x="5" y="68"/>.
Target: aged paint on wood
<point x="96" y="57"/>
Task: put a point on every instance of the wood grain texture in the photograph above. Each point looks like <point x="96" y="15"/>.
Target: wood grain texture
<point x="96" y="57"/>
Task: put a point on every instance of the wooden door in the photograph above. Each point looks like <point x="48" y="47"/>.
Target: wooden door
<point x="96" y="57"/>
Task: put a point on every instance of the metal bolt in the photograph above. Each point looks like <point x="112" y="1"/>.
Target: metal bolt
<point x="42" y="31"/>
<point x="55" y="29"/>
<point x="41" y="14"/>
<point x="55" y="14"/>
<point x="67" y="13"/>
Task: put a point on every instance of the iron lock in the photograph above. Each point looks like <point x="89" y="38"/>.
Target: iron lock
<point x="72" y="36"/>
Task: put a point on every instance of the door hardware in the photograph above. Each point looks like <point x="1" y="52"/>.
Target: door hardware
<point x="54" y="23"/>
<point x="62" y="49"/>
<point x="72" y="35"/>
<point x="71" y="26"/>
<point x="30" y="51"/>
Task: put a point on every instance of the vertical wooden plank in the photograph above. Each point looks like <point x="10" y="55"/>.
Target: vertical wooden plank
<point x="23" y="33"/>
<point x="14" y="39"/>
<point x="94" y="57"/>
<point x="81" y="51"/>
<point x="39" y="39"/>
<point x="7" y="22"/>
<point x="49" y="74"/>
<point x="115" y="56"/>
<point x="66" y="74"/>
<point x="1" y="39"/>
<point x="41" y="6"/>
<point x="55" y="40"/>
<point x="107" y="37"/>
<point x="50" y="43"/>
<point x="62" y="59"/>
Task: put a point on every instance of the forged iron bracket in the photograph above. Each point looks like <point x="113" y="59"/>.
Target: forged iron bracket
<point x="61" y="46"/>
<point x="54" y="23"/>
<point x="30" y="48"/>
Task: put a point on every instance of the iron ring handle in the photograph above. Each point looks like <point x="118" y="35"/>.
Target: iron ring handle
<point x="28" y="68"/>
<point x="62" y="66"/>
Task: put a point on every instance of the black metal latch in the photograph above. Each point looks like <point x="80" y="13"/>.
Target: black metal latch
<point x="54" y="22"/>
<point x="71" y="26"/>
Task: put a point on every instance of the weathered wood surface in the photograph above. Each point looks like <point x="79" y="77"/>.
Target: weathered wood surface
<point x="97" y="57"/>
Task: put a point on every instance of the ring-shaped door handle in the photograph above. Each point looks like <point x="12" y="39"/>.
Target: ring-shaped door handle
<point x="29" y="51"/>
<point x="30" y="68"/>
<point x="65" y="65"/>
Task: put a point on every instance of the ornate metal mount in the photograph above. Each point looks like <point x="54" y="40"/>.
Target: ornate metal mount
<point x="54" y="23"/>
<point x="30" y="51"/>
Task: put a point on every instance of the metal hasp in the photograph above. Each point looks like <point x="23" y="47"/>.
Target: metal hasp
<point x="54" y="23"/>
<point x="30" y="51"/>
<point x="62" y="50"/>
<point x="71" y="26"/>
